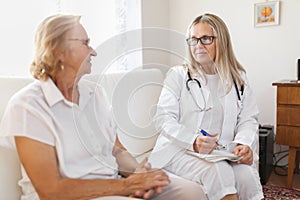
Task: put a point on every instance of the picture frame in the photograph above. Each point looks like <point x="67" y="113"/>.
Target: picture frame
<point x="266" y="13"/>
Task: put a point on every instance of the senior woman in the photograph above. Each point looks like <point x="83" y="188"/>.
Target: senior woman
<point x="63" y="131"/>
<point x="209" y="94"/>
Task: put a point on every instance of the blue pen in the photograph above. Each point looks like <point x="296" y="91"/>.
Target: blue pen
<point x="209" y="135"/>
<point x="205" y="133"/>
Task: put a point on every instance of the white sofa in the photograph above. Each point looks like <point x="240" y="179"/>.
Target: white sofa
<point x="133" y="96"/>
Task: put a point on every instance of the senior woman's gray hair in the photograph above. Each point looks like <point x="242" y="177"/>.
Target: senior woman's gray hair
<point x="50" y="41"/>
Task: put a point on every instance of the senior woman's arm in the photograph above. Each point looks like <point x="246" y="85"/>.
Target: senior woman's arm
<point x="126" y="162"/>
<point x="129" y="165"/>
<point x="40" y="163"/>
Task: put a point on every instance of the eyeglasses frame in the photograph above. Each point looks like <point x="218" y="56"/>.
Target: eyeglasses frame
<point x="85" y="42"/>
<point x="200" y="39"/>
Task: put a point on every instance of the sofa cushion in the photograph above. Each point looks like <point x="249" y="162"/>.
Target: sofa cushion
<point x="133" y="96"/>
<point x="9" y="86"/>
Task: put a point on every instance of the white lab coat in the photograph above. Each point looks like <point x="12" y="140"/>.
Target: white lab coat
<point x="178" y="117"/>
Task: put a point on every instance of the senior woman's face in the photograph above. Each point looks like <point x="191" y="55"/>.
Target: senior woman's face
<point x="203" y="54"/>
<point x="77" y="56"/>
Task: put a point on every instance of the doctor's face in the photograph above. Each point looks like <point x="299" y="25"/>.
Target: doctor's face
<point x="205" y="53"/>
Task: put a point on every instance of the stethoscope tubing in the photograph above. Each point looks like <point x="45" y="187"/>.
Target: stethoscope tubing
<point x="199" y="84"/>
<point x="200" y="87"/>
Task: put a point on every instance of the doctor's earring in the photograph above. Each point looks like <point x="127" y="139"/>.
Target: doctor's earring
<point x="62" y="67"/>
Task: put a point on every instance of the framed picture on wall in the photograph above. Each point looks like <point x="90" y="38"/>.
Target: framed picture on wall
<point x="266" y="14"/>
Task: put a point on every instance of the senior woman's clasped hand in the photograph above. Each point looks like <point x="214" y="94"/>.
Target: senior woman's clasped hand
<point x="152" y="179"/>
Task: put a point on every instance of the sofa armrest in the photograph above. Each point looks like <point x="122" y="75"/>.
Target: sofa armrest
<point x="10" y="174"/>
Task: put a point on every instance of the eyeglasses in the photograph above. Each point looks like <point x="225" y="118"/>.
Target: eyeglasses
<point x="85" y="42"/>
<point x="205" y="40"/>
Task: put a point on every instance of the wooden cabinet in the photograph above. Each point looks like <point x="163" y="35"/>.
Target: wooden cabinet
<point x="288" y="121"/>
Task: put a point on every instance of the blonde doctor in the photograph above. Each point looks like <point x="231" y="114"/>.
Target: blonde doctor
<point x="210" y="93"/>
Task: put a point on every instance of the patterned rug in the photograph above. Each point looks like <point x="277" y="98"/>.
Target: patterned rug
<point x="273" y="192"/>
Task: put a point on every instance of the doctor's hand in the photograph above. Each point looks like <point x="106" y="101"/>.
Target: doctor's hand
<point x="245" y="152"/>
<point x="205" y="144"/>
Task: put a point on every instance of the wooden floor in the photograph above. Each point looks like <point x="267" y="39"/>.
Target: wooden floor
<point x="282" y="180"/>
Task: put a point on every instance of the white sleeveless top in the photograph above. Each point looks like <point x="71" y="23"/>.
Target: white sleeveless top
<point x="213" y="118"/>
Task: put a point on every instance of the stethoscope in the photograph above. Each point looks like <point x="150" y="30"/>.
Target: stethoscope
<point x="204" y="108"/>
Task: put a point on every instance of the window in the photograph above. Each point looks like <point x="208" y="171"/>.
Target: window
<point x="103" y="20"/>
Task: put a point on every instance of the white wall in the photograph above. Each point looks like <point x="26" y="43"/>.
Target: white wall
<point x="155" y="14"/>
<point x="268" y="53"/>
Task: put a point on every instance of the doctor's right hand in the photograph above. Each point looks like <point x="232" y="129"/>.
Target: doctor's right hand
<point x="205" y="144"/>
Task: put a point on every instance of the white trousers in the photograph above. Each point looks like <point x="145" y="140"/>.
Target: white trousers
<point x="220" y="178"/>
<point x="179" y="188"/>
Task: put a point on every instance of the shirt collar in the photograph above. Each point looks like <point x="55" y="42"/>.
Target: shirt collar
<point x="53" y="95"/>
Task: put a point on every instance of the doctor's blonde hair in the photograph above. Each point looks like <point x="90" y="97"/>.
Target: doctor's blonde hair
<point x="226" y="64"/>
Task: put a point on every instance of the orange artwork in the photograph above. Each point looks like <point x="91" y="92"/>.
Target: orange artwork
<point x="267" y="13"/>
